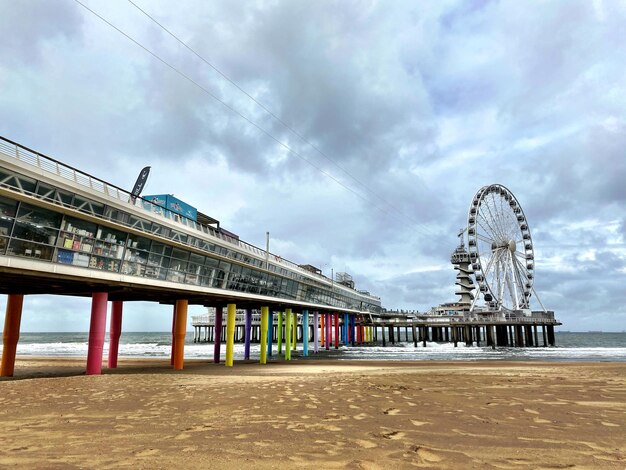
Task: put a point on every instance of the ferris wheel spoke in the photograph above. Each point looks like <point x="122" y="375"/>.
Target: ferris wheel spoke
<point x="485" y="239"/>
<point x="497" y="228"/>
<point x="490" y="228"/>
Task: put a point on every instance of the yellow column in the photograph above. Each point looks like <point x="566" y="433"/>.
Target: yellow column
<point x="264" y="321"/>
<point x="288" y="321"/>
<point x="230" y="334"/>
<point x="180" y="329"/>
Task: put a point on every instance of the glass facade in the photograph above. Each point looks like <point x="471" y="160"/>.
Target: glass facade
<point x="34" y="232"/>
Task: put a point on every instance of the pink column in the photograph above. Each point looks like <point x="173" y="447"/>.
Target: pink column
<point x="217" y="334"/>
<point x="173" y="335"/>
<point x="328" y="325"/>
<point x="97" y="329"/>
<point x="115" y="331"/>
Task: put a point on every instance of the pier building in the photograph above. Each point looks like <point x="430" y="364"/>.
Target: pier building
<point x="63" y="231"/>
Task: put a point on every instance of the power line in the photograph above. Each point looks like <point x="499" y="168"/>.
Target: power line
<point x="262" y="106"/>
<point x="245" y="118"/>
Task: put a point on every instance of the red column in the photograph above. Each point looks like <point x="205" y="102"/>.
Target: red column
<point x="115" y="331"/>
<point x="180" y="327"/>
<point x="97" y="329"/>
<point x="11" y="333"/>
<point x="336" y="330"/>
<point x="173" y="335"/>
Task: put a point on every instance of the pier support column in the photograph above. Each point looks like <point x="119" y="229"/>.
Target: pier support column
<point x="115" y="331"/>
<point x="316" y="332"/>
<point x="11" y="333"/>
<point x="383" y="334"/>
<point x="336" y="331"/>
<point x="181" y="330"/>
<point x="288" y="328"/>
<point x="217" y="334"/>
<point x="545" y="336"/>
<point x="305" y="333"/>
<point x="247" y="334"/>
<point x="414" y="335"/>
<point x="535" y="335"/>
<point x="294" y="330"/>
<point x="270" y="331"/>
<point x="551" y="340"/>
<point x="279" y="333"/>
<point x="97" y="329"/>
<point x="322" y="329"/>
<point x="264" y="328"/>
<point x="173" y="334"/>
<point x="231" y="315"/>
<point x="329" y="340"/>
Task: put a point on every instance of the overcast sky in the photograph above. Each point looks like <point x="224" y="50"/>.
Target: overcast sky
<point x="412" y="105"/>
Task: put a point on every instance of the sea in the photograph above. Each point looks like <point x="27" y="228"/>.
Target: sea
<point x="586" y="347"/>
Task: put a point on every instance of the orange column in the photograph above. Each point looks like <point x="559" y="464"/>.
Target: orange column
<point x="11" y="333"/>
<point x="180" y="329"/>
<point x="173" y="335"/>
<point x="322" y="330"/>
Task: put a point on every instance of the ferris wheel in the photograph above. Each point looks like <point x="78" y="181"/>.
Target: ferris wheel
<point x="500" y="249"/>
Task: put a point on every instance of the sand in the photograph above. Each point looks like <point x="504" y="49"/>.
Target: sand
<point x="312" y="414"/>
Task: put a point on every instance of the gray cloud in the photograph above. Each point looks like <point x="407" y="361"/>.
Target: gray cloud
<point x="422" y="103"/>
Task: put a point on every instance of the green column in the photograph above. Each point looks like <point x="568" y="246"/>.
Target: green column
<point x="288" y="323"/>
<point x="264" y="318"/>
<point x="294" y="330"/>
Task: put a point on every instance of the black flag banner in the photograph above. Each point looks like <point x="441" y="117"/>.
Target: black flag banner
<point x="140" y="183"/>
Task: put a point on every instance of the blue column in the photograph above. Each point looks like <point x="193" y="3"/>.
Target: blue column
<point x="270" y="332"/>
<point x="247" y="331"/>
<point x="353" y="329"/>
<point x="305" y="333"/>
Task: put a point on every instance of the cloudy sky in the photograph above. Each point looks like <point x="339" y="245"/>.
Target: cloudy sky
<point x="402" y="110"/>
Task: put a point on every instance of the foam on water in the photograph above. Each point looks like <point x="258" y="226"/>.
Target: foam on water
<point x="607" y="347"/>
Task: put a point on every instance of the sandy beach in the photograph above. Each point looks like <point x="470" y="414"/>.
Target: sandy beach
<point x="335" y="414"/>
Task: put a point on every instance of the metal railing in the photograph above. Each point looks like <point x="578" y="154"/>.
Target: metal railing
<point x="24" y="154"/>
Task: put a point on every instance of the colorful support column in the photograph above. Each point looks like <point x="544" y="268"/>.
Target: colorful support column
<point x="345" y="329"/>
<point x="316" y="333"/>
<point x="279" y="333"/>
<point x="288" y="322"/>
<point x="322" y="329"/>
<point x="231" y="310"/>
<point x="11" y="333"/>
<point x="181" y="331"/>
<point x="328" y="330"/>
<point x="336" y="331"/>
<point x="217" y="334"/>
<point x="247" y="332"/>
<point x="353" y="329"/>
<point x="97" y="329"/>
<point x="115" y="331"/>
<point x="294" y="331"/>
<point x="270" y="332"/>
<point x="305" y="333"/>
<point x="173" y="334"/>
<point x="264" y="324"/>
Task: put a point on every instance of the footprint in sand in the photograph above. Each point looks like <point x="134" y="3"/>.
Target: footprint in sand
<point x="393" y="435"/>
<point x="541" y="421"/>
<point x="391" y="411"/>
<point x="419" y="423"/>
<point x="147" y="453"/>
<point x="365" y="444"/>
<point x="426" y="454"/>
<point x="360" y="416"/>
